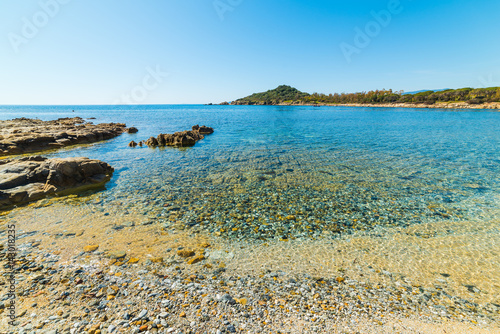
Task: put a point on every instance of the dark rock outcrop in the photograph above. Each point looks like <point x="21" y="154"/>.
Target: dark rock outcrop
<point x="180" y="139"/>
<point x="23" y="135"/>
<point x="132" y="130"/>
<point x="29" y="179"/>
<point x="204" y="130"/>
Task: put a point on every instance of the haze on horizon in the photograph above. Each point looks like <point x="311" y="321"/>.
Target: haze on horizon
<point x="128" y="52"/>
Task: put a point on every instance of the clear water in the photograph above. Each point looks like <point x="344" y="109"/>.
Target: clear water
<point x="300" y="174"/>
<point x="333" y="164"/>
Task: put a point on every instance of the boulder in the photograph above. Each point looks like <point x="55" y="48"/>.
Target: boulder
<point x="29" y="179"/>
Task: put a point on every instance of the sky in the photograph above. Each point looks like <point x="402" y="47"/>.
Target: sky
<point x="64" y="52"/>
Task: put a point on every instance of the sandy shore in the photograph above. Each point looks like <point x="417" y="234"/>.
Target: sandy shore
<point x="104" y="273"/>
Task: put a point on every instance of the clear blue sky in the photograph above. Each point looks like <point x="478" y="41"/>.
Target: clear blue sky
<point x="95" y="51"/>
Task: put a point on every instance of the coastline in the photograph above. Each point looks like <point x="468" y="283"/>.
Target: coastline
<point x="492" y="106"/>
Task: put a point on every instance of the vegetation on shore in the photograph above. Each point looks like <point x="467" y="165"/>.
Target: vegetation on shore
<point x="289" y="95"/>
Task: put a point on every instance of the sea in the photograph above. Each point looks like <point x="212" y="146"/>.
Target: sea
<point x="411" y="192"/>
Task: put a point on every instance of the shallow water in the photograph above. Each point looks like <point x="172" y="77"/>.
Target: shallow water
<point x="283" y="182"/>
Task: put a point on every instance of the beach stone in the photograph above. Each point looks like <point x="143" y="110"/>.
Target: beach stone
<point x="90" y="248"/>
<point x="196" y="259"/>
<point x="117" y="254"/>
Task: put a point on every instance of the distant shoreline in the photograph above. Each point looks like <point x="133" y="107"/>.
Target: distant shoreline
<point x="464" y="98"/>
<point x="439" y="105"/>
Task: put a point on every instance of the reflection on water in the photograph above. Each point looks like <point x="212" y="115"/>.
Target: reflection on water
<point x="412" y="191"/>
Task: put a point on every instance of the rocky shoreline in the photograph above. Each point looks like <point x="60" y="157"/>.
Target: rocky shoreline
<point x="23" y="135"/>
<point x="32" y="178"/>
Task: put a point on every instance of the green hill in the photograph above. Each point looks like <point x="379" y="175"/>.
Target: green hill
<point x="289" y="95"/>
<point x="282" y="94"/>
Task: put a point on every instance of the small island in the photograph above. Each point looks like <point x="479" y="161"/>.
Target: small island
<point x="464" y="98"/>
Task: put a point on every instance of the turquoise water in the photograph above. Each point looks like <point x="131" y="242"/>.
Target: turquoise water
<point x="294" y="172"/>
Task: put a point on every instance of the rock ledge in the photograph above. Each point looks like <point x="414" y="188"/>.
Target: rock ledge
<point x="29" y="179"/>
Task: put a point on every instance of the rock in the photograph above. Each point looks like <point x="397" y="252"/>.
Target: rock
<point x="228" y="299"/>
<point x="132" y="130"/>
<point x="140" y="315"/>
<point x="152" y="142"/>
<point x="185" y="253"/>
<point x="117" y="255"/>
<point x="23" y="135"/>
<point x="196" y="259"/>
<point x="204" y="130"/>
<point x="242" y="301"/>
<point x="132" y="144"/>
<point x="180" y="139"/>
<point x="32" y="178"/>
<point x="90" y="248"/>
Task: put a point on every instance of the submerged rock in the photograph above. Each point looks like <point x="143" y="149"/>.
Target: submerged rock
<point x="29" y="179"/>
